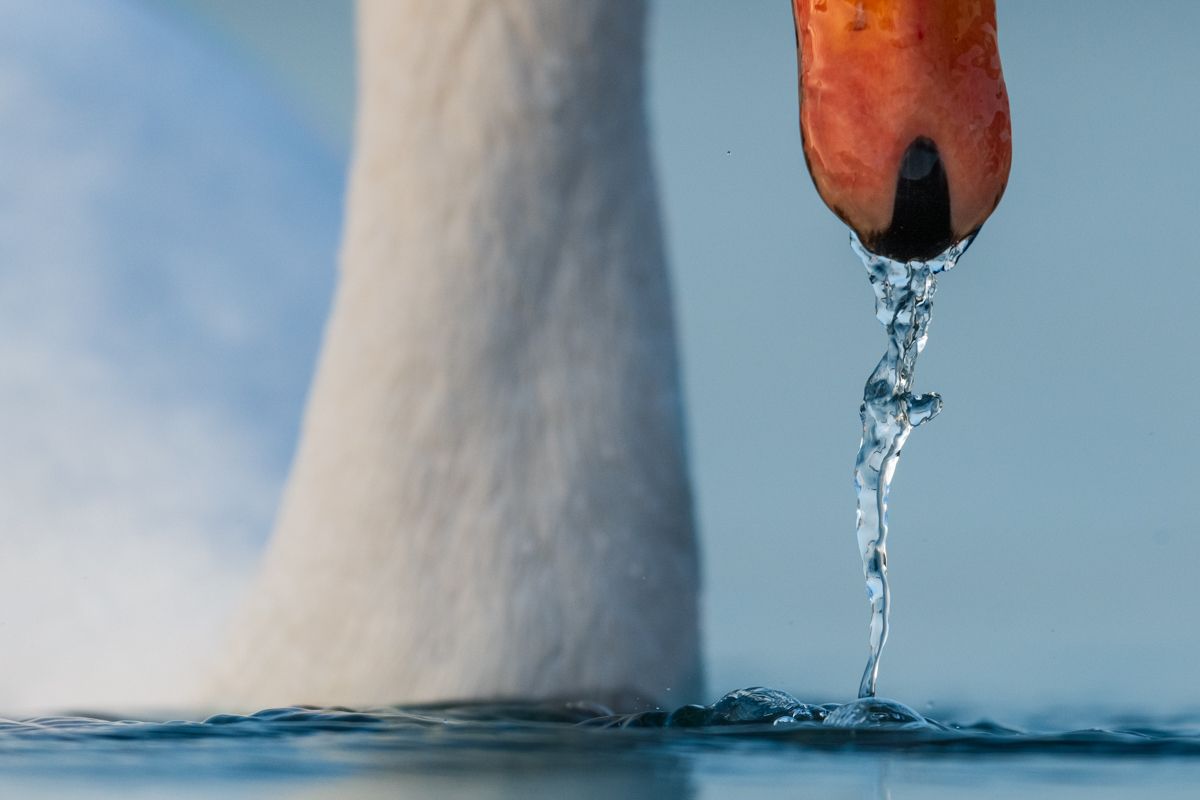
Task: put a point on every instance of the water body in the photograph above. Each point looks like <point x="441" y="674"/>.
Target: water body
<point x="890" y="410"/>
<point x="755" y="742"/>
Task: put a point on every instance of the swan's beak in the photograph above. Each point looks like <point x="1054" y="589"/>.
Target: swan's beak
<point x="904" y="117"/>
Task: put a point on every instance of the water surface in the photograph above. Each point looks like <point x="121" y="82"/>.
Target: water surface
<point x="753" y="743"/>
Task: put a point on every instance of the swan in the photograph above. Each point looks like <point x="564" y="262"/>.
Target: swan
<point x="490" y="496"/>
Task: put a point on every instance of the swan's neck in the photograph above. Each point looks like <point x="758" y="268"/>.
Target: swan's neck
<point x="490" y="495"/>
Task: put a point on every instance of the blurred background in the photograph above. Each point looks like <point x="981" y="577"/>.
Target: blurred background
<point x="170" y="186"/>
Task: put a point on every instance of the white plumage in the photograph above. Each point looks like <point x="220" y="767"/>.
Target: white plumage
<point x="490" y="496"/>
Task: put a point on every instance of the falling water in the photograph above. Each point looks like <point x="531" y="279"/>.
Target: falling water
<point x="903" y="304"/>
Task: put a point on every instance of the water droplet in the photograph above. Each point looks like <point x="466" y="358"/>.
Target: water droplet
<point x="874" y="712"/>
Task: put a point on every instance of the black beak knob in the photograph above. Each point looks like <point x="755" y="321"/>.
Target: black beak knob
<point x="920" y="227"/>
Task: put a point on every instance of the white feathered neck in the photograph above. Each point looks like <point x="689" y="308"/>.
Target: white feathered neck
<point x="490" y="495"/>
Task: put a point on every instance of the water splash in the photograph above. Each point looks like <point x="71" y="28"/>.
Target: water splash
<point x="760" y="706"/>
<point x="904" y="305"/>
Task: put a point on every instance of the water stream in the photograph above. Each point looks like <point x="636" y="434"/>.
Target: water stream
<point x="904" y="305"/>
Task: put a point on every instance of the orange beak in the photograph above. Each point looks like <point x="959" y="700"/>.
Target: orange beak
<point x="904" y="117"/>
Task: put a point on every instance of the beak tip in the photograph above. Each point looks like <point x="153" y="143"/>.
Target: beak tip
<point x="920" y="227"/>
<point x="913" y="156"/>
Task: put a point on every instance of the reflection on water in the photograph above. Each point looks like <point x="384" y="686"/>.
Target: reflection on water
<point x="754" y="743"/>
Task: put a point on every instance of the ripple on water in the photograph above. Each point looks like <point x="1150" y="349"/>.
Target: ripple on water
<point x="754" y="713"/>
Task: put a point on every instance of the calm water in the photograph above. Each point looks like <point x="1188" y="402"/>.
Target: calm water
<point x="755" y="743"/>
<point x="904" y="306"/>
